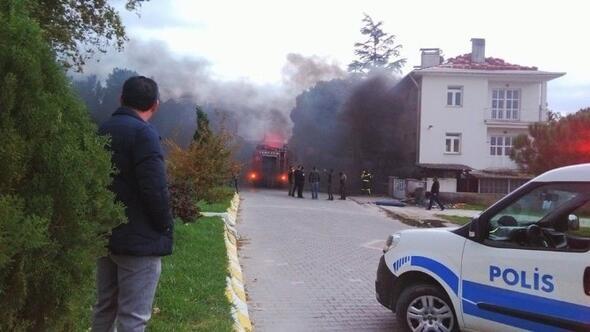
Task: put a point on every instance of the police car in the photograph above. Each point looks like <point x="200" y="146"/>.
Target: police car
<point x="522" y="264"/>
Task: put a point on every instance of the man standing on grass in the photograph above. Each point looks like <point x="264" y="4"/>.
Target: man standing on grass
<point x="128" y="276"/>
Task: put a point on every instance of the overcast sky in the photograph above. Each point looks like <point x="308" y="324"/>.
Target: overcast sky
<point x="251" y="39"/>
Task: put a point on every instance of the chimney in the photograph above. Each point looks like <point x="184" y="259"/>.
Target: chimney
<point x="430" y="57"/>
<point x="478" y="50"/>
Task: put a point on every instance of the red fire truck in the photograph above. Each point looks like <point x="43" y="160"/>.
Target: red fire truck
<point x="269" y="166"/>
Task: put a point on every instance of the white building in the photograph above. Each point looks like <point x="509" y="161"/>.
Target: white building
<point x="469" y="110"/>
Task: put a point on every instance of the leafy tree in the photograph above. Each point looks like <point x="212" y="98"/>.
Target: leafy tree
<point x="560" y="142"/>
<point x="72" y="25"/>
<point x="54" y="202"/>
<point x="378" y="51"/>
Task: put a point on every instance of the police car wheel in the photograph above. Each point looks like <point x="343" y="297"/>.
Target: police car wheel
<point x="425" y="307"/>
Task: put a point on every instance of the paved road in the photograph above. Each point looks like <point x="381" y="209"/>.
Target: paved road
<point x="309" y="265"/>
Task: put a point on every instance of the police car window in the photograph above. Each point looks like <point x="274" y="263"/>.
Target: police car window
<point x="535" y="205"/>
<point x="578" y="223"/>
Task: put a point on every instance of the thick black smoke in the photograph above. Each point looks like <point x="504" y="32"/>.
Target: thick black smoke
<point x="354" y="124"/>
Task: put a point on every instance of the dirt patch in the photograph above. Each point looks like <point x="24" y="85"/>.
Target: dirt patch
<point x="425" y="223"/>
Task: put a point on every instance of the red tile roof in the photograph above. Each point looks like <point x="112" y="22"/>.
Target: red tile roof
<point x="464" y="62"/>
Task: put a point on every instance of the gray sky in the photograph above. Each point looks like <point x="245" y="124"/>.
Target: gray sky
<point x="250" y="40"/>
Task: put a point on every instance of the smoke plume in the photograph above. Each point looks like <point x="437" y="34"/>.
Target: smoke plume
<point x="252" y="109"/>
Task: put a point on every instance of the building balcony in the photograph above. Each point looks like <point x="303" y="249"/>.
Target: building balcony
<point x="499" y="123"/>
<point x="507" y="119"/>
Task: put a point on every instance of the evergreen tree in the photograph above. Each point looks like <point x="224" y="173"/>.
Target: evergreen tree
<point x="203" y="131"/>
<point x="378" y="51"/>
<point x="54" y="202"/>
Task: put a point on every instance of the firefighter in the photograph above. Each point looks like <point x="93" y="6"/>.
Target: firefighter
<point x="366" y="178"/>
<point x="329" y="177"/>
<point x="291" y="176"/>
<point x="314" y="180"/>
<point x="342" y="186"/>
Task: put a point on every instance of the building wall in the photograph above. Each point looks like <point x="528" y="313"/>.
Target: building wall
<point x="437" y="119"/>
<point x="445" y="184"/>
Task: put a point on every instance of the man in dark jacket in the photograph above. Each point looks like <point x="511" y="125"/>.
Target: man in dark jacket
<point x="343" y="179"/>
<point x="300" y="180"/>
<point x="127" y="278"/>
<point x="330" y="195"/>
<point x="314" y="180"/>
<point x="434" y="190"/>
<point x="291" y="176"/>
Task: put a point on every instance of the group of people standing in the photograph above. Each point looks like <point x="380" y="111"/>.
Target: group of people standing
<point x="297" y="182"/>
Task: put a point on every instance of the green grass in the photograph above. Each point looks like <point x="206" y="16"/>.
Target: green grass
<point x="213" y="207"/>
<point x="191" y="292"/>
<point x="221" y="200"/>
<point x="583" y="231"/>
<point x="459" y="220"/>
<point x="472" y="206"/>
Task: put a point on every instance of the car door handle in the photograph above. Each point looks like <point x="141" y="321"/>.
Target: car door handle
<point x="587" y="281"/>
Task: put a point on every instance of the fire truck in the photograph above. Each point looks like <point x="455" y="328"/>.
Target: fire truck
<point x="269" y="166"/>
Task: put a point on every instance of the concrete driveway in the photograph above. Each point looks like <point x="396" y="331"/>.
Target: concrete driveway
<point x="309" y="265"/>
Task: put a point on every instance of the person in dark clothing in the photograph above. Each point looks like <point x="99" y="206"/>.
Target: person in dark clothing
<point x="342" y="186"/>
<point x="235" y="182"/>
<point x="434" y="191"/>
<point x="128" y="276"/>
<point x="300" y="181"/>
<point x="329" y="180"/>
<point x="314" y="180"/>
<point x="291" y="176"/>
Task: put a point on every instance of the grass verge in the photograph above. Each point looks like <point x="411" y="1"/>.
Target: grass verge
<point x="459" y="220"/>
<point x="221" y="198"/>
<point x="191" y="292"/>
<point x="470" y="206"/>
<point x="213" y="207"/>
<point x="583" y="231"/>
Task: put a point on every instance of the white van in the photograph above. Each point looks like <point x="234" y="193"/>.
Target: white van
<point x="522" y="264"/>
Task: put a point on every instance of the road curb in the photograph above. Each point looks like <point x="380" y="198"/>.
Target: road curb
<point x="234" y="290"/>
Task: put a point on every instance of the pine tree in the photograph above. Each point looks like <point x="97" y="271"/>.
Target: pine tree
<point x="54" y="173"/>
<point x="377" y="51"/>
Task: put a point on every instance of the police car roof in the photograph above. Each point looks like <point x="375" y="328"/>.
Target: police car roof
<point x="575" y="173"/>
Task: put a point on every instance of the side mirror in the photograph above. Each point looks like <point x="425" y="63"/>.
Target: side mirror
<point x="573" y="222"/>
<point x="477" y="229"/>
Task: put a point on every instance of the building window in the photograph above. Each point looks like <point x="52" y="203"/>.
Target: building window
<point x="493" y="186"/>
<point x="455" y="96"/>
<point x="500" y="145"/>
<point x="453" y="143"/>
<point x="505" y="104"/>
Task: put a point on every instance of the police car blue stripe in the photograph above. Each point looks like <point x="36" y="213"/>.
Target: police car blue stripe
<point x="448" y="276"/>
<point x="480" y="293"/>
<point x="473" y="310"/>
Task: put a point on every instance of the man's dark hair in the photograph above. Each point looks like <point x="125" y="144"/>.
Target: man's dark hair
<point x="139" y="93"/>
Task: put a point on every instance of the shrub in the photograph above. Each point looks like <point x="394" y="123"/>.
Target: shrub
<point x="182" y="200"/>
<point x="54" y="173"/>
<point x="207" y="162"/>
<point x="219" y="194"/>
